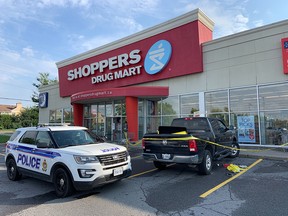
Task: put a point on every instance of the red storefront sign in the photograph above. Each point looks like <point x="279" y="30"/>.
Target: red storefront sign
<point x="284" y="45"/>
<point x="124" y="66"/>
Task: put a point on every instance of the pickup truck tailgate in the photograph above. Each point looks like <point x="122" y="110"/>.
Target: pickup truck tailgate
<point x="167" y="146"/>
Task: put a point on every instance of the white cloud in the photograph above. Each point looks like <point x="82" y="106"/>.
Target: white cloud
<point x="241" y="19"/>
<point x="258" y="23"/>
<point x="18" y="72"/>
<point x="240" y="23"/>
<point x="28" y="51"/>
<point x="63" y="3"/>
<point x="92" y="43"/>
<point x="129" y="23"/>
<point x="223" y="15"/>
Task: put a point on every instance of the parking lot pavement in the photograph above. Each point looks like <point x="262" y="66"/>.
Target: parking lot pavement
<point x="178" y="190"/>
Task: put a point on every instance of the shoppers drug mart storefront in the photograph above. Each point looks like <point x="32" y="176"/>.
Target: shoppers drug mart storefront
<point x="176" y="69"/>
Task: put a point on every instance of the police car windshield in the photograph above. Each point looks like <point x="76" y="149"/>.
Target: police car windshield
<point x="72" y="138"/>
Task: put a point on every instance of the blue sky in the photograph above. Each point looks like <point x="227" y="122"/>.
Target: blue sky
<point x="35" y="34"/>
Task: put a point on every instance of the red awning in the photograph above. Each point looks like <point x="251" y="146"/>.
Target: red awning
<point x="134" y="91"/>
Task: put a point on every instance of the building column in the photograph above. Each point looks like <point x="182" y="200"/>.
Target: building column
<point x="132" y="116"/>
<point x="78" y="114"/>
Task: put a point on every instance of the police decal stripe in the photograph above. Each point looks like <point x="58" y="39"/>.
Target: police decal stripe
<point x="39" y="152"/>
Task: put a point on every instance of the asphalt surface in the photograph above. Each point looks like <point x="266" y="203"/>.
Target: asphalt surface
<point x="174" y="191"/>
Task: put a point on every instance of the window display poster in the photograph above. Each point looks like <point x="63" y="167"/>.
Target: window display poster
<point x="246" y="129"/>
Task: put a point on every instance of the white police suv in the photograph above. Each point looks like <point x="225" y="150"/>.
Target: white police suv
<point x="66" y="156"/>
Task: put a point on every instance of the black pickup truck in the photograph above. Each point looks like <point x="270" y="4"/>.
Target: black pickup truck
<point x="192" y="140"/>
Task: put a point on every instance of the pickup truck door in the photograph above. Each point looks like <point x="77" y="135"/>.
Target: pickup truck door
<point x="223" y="135"/>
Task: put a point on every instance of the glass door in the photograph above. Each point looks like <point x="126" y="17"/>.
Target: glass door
<point x="109" y="128"/>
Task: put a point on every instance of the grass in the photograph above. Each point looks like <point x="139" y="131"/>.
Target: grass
<point x="5" y="135"/>
<point x="4" y="138"/>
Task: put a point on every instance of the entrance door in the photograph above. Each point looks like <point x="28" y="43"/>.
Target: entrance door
<point x="109" y="128"/>
<point x="117" y="129"/>
<point x="114" y="129"/>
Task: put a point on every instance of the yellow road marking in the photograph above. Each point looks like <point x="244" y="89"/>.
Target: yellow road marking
<point x="229" y="180"/>
<point x="142" y="173"/>
<point x="148" y="171"/>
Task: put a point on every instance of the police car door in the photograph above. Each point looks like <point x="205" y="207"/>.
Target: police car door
<point x="26" y="157"/>
<point x="45" y="151"/>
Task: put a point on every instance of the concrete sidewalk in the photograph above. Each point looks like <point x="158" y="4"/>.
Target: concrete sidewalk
<point x="264" y="153"/>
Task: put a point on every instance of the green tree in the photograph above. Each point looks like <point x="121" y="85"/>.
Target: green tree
<point x="29" y="117"/>
<point x="42" y="80"/>
<point x="6" y="121"/>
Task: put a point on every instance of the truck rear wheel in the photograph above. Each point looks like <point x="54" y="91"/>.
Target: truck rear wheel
<point x="205" y="167"/>
<point x="159" y="165"/>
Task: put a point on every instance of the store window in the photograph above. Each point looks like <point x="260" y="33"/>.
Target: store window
<point x="273" y="97"/>
<point x="169" y="109"/>
<point x="61" y="116"/>
<point x="52" y="116"/>
<point x="216" y="104"/>
<point x="101" y="120"/>
<point x="244" y="116"/>
<point x="141" y="118"/>
<point x="153" y="120"/>
<point x="68" y="115"/>
<point x="119" y="108"/>
<point x="243" y="100"/>
<point x="274" y="113"/>
<point x="55" y="116"/>
<point x="189" y="105"/>
<point x="109" y="109"/>
<point x="275" y="124"/>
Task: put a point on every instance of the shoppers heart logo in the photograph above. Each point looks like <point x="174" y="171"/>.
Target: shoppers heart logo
<point x="157" y="57"/>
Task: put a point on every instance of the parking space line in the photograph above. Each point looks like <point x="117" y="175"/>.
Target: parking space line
<point x="229" y="180"/>
<point x="142" y="173"/>
<point x="147" y="171"/>
<point x="2" y="154"/>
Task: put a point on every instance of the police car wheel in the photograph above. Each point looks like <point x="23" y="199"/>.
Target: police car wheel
<point x="12" y="170"/>
<point x="62" y="183"/>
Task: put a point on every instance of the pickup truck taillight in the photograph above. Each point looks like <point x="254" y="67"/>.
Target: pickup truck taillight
<point x="143" y="144"/>
<point x="192" y="145"/>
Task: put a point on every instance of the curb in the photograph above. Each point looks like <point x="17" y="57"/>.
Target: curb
<point x="267" y="157"/>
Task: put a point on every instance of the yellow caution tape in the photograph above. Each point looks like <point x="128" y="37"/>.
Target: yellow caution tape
<point x="192" y="137"/>
<point x="181" y="132"/>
